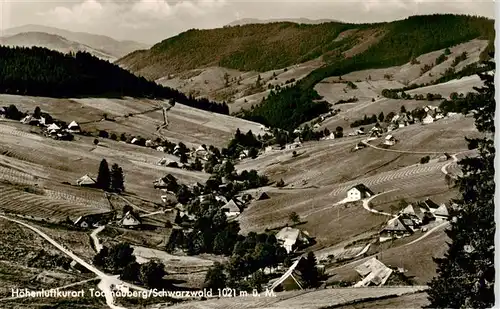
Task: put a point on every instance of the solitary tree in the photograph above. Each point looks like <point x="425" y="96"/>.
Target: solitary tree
<point x="309" y="271"/>
<point x="215" y="277"/>
<point x="381" y="117"/>
<point x="466" y="274"/>
<point x="38" y="113"/>
<point x="294" y="217"/>
<point x="103" y="176"/>
<point x="151" y="273"/>
<point x="403" y="109"/>
<point x="117" y="178"/>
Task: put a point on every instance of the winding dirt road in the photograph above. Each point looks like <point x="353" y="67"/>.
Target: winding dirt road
<point x="106" y="280"/>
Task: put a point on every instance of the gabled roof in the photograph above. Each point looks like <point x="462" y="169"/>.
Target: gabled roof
<point x="85" y="180"/>
<point x="374" y="272"/>
<point x="396" y="225"/>
<point x="53" y="126"/>
<point x="231" y="206"/>
<point x="430" y="204"/>
<point x="290" y="235"/>
<point x="73" y="124"/>
<point x="263" y="196"/>
<point x="413" y="210"/>
<point x="442" y="211"/>
<point x="389" y="137"/>
<point x="130" y="215"/>
<point x="362" y="188"/>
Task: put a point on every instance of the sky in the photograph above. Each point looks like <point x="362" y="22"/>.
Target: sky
<point x="150" y="21"/>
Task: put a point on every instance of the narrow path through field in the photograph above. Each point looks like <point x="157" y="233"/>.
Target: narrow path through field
<point x="365" y="142"/>
<point x="366" y="204"/>
<point x="97" y="244"/>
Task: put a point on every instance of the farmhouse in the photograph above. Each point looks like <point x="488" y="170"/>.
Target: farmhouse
<point x="389" y="140"/>
<point x="74" y="127"/>
<point x="395" y="228"/>
<point x="231" y="209"/>
<point x="359" y="192"/>
<point x="373" y="272"/>
<point x="93" y="220"/>
<point x="418" y="213"/>
<point x="130" y="220"/>
<point x="291" y="238"/>
<point x="86" y="181"/>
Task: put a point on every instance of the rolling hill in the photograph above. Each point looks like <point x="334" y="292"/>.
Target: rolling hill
<point x="42" y="72"/>
<point x="53" y="42"/>
<point x="247" y="21"/>
<point x="100" y="43"/>
<point x="273" y="46"/>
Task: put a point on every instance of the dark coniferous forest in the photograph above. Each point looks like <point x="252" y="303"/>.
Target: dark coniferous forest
<point x="41" y="72"/>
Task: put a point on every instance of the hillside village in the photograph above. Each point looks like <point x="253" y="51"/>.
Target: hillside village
<point x="348" y="204"/>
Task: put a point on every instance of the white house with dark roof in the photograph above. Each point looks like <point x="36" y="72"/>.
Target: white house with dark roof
<point x="359" y="192"/>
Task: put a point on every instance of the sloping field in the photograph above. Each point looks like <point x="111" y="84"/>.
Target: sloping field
<point x="302" y="299"/>
<point x="415" y="258"/>
<point x="189" y="125"/>
<point x="333" y="90"/>
<point x="408" y="301"/>
<point x="322" y="172"/>
<point x="462" y="85"/>
<point x="410" y="73"/>
<point x="34" y="173"/>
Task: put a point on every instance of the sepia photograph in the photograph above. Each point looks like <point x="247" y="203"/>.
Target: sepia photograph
<point x="227" y="154"/>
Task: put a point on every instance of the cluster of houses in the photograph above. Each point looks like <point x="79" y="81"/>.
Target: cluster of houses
<point x="412" y="218"/>
<point x="51" y="128"/>
<point x="128" y="220"/>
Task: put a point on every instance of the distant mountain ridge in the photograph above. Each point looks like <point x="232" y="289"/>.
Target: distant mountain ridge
<point x="102" y="43"/>
<point x="247" y="21"/>
<point x="273" y="46"/>
<point x="53" y="42"/>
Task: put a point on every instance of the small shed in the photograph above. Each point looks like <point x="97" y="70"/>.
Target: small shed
<point x="263" y="196"/>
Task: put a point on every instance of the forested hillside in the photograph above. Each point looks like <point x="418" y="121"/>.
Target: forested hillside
<point x="257" y="47"/>
<point x="42" y="72"/>
<point x="403" y="40"/>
